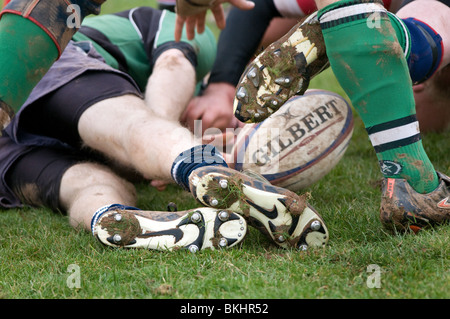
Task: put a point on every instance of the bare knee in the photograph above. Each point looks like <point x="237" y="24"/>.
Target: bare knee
<point x="172" y="59"/>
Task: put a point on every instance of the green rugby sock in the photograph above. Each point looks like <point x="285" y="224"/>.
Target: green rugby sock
<point x="369" y="63"/>
<point x="26" y="54"/>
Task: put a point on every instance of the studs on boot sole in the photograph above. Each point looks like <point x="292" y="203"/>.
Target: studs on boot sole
<point x="303" y="247"/>
<point x="117" y="238"/>
<point x="213" y="202"/>
<point x="223" y="215"/>
<point x="242" y="95"/>
<point x="223" y="242"/>
<point x="196" y="217"/>
<point x="193" y="248"/>
<point x="315" y="225"/>
<point x="223" y="183"/>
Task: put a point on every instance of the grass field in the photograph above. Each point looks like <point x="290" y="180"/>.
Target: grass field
<point x="41" y="256"/>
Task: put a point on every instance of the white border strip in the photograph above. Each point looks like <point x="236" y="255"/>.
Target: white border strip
<point x="130" y="17"/>
<point x="395" y="134"/>
<point x="356" y="9"/>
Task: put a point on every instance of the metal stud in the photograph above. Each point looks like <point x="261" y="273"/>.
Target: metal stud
<point x="241" y="94"/>
<point x="223" y="215"/>
<point x="254" y="76"/>
<point x="284" y="81"/>
<point x="272" y="102"/>
<point x="315" y="225"/>
<point x="223" y="242"/>
<point x="281" y="239"/>
<point x="193" y="248"/>
<point x="196" y="217"/>
<point x="279" y="80"/>
<point x="118" y="217"/>
<point x="223" y="183"/>
<point x="213" y="202"/>
<point x="117" y="238"/>
<point x="303" y="247"/>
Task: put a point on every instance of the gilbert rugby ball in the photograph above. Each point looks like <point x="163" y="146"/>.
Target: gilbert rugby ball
<point x="298" y="144"/>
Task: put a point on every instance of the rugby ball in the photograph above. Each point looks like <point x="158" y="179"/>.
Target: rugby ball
<point x="298" y="144"/>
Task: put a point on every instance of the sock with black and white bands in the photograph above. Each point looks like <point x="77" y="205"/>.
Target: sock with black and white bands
<point x="191" y="159"/>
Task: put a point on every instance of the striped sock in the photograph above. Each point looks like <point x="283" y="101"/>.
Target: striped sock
<point x="191" y="159"/>
<point x="373" y="72"/>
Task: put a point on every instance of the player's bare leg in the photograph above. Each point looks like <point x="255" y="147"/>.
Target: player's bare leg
<point x="132" y="134"/>
<point x="85" y="187"/>
<point x="171" y="85"/>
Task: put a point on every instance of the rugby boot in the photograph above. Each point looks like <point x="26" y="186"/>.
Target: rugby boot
<point x="194" y="230"/>
<point x="403" y="209"/>
<point x="281" y="71"/>
<point x="286" y="218"/>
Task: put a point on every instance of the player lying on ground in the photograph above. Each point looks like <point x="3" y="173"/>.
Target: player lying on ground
<point x="86" y="116"/>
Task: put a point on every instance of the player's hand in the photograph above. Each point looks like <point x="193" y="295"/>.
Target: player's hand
<point x="214" y="108"/>
<point x="195" y="17"/>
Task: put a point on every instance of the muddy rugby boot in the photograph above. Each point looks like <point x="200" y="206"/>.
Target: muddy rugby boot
<point x="286" y="218"/>
<point x="196" y="229"/>
<point x="404" y="209"/>
<point x="281" y="71"/>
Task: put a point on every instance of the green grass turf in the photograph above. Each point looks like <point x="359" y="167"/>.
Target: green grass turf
<point x="38" y="247"/>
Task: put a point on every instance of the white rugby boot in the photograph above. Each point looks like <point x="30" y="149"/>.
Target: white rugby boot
<point x="286" y="218"/>
<point x="197" y="229"/>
